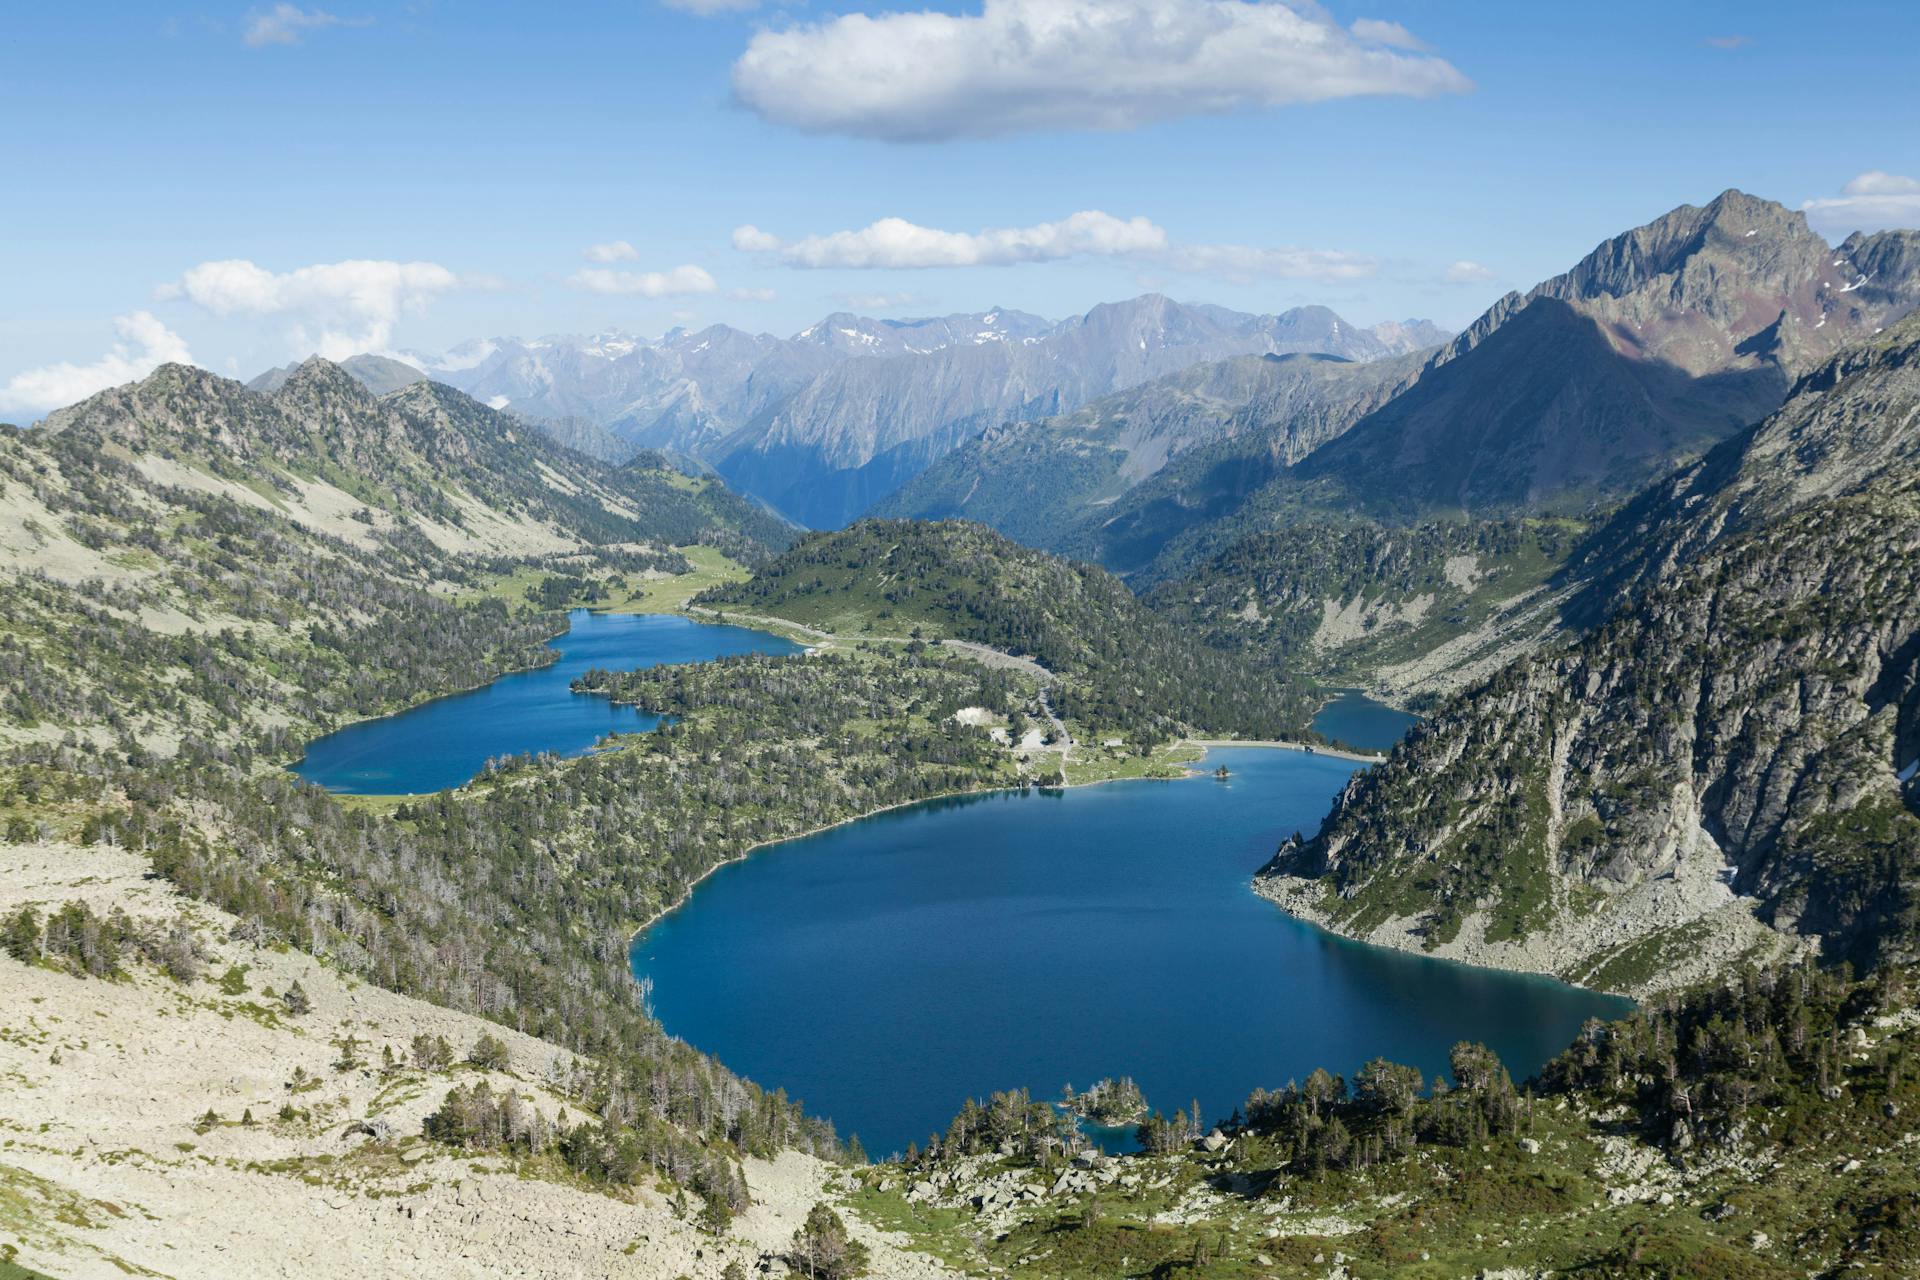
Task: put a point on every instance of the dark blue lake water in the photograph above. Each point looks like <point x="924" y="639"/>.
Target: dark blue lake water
<point x="444" y="743"/>
<point x="886" y="970"/>
<point x="1356" y="720"/>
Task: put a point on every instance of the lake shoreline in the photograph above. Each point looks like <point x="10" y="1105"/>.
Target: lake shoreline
<point x="768" y="843"/>
<point x="1205" y="744"/>
<point x="1283" y="744"/>
<point x="265" y="766"/>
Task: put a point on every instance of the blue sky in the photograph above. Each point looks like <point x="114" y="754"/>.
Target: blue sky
<point x="462" y="158"/>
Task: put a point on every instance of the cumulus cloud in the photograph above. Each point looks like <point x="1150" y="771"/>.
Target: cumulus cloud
<point x="896" y="244"/>
<point x="340" y="308"/>
<point x="145" y="344"/>
<point x="289" y="24"/>
<point x="1874" y="201"/>
<point x="712" y="8"/>
<point x="676" y="283"/>
<point x="1021" y="65"/>
<point x="612" y="251"/>
<point x="1467" y="271"/>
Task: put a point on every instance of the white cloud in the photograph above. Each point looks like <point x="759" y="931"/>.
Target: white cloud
<point x="712" y="8"/>
<point x="1728" y="42"/>
<point x="879" y="301"/>
<point x="1022" y="65"/>
<point x="145" y="344"/>
<point x="896" y="244"/>
<point x="647" y="284"/>
<point x="289" y="24"/>
<point x="341" y="308"/>
<point x="1392" y="34"/>
<point x="752" y="295"/>
<point x="1467" y="271"/>
<point x="612" y="251"/>
<point x="1874" y="201"/>
<point x="751" y="239"/>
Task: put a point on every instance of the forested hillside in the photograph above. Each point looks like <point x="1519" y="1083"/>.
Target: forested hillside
<point x="1125" y="668"/>
<point x="1756" y="1128"/>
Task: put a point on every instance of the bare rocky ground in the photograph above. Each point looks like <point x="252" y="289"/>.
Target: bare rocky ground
<point x="1710" y="931"/>
<point x="105" y="1172"/>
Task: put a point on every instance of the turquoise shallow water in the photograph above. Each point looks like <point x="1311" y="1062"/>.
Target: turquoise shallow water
<point x="1356" y="720"/>
<point x="886" y="970"/>
<point x="444" y="743"/>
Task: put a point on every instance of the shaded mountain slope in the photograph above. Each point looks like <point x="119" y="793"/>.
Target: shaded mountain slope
<point x="1035" y="481"/>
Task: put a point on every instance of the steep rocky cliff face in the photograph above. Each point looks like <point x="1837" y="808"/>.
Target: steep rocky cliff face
<point x="1730" y="748"/>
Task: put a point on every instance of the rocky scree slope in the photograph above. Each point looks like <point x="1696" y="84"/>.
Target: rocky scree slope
<point x="422" y="460"/>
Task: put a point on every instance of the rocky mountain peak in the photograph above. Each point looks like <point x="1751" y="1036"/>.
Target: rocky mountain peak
<point x="175" y="401"/>
<point x="1740" y="283"/>
<point x="1764" y="238"/>
<point x="320" y="383"/>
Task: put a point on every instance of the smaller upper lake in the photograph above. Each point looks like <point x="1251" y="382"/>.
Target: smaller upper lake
<point x="1355" y="720"/>
<point x="447" y="742"/>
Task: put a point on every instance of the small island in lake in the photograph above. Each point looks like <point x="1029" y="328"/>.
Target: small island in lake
<point x="1110" y="1102"/>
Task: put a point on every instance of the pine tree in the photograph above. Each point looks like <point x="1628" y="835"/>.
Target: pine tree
<point x="716" y="1216"/>
<point x="822" y="1249"/>
<point x="22" y="935"/>
<point x="489" y="1053"/>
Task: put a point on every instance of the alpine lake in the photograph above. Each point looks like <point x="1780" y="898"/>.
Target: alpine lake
<point x="887" y="969"/>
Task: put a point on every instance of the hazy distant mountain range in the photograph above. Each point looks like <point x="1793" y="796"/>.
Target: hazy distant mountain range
<point x="828" y="422"/>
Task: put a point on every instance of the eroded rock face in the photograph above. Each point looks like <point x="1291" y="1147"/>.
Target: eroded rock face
<point x="1740" y="716"/>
